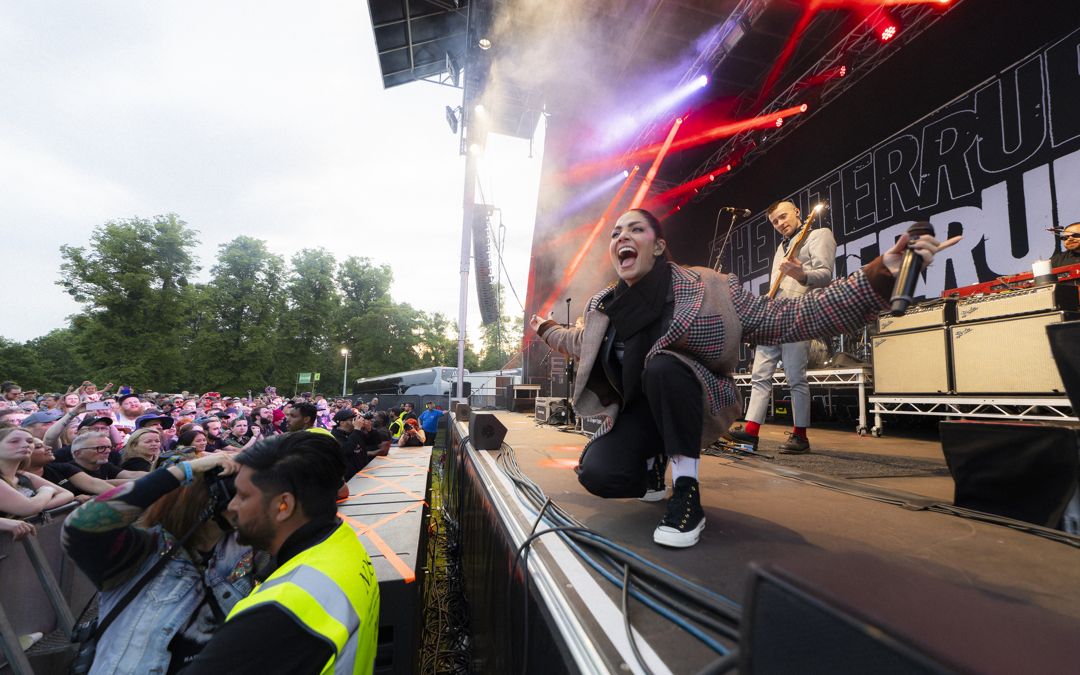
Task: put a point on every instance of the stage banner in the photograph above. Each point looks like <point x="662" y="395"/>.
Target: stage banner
<point x="999" y="164"/>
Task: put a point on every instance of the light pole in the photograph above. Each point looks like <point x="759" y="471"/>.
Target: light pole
<point x="345" y="377"/>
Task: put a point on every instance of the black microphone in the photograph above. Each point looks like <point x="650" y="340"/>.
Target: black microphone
<point x="910" y="269"/>
<point x="736" y="210"/>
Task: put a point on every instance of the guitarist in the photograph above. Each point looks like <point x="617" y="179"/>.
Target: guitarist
<point x="811" y="266"/>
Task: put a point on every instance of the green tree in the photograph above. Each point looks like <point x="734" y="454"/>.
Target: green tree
<point x="501" y="340"/>
<point x="58" y="362"/>
<point x="132" y="281"/>
<point x="306" y="329"/>
<point x="245" y="299"/>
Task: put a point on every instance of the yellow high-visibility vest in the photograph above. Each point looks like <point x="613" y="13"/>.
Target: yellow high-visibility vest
<point x="331" y="589"/>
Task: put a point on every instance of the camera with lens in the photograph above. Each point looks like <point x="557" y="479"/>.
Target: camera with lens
<point x="222" y="490"/>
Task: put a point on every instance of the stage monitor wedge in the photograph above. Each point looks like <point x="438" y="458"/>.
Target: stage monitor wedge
<point x="486" y="432"/>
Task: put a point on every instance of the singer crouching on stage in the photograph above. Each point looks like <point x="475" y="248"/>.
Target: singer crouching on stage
<point x="656" y="352"/>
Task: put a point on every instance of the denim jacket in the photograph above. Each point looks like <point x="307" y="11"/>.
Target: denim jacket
<point x="137" y="641"/>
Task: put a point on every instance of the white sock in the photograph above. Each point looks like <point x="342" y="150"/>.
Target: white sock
<point x="683" y="466"/>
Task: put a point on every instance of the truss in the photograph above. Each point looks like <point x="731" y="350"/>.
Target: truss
<point x="1033" y="408"/>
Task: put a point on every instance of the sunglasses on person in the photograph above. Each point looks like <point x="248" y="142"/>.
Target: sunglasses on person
<point x="1071" y="235"/>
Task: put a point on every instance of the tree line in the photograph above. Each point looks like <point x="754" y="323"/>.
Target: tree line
<point x="257" y="322"/>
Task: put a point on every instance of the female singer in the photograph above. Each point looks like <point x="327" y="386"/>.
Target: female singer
<point x="656" y="352"/>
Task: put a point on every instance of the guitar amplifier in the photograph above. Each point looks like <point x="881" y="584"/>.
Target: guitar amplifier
<point x="936" y="313"/>
<point x="1006" y="356"/>
<point x="916" y="362"/>
<point x="546" y="406"/>
<point x="1054" y="297"/>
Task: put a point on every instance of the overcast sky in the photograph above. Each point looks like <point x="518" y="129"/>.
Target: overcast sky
<point x="260" y="118"/>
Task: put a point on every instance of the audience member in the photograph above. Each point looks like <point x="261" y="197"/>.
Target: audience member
<point x="412" y="436"/>
<point x="24" y="494"/>
<point x="43" y="463"/>
<point x="90" y="453"/>
<point x="301" y="416"/>
<point x="240" y="437"/>
<point x="142" y="450"/>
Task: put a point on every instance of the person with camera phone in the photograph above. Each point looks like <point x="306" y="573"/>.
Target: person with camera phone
<point x="412" y="436"/>
<point x="168" y="566"/>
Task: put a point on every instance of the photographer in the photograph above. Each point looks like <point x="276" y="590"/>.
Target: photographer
<point x="319" y="610"/>
<point x="119" y="537"/>
<point x="412" y="436"/>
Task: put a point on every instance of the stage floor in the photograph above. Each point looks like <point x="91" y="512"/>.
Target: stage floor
<point x="760" y="510"/>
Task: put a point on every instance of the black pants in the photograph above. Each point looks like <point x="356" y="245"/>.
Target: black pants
<point x="666" y="420"/>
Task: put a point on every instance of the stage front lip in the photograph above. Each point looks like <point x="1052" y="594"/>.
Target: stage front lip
<point x="578" y="610"/>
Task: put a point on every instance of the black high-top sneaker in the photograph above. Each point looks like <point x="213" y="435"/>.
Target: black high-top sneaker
<point x="656" y="489"/>
<point x="685" y="519"/>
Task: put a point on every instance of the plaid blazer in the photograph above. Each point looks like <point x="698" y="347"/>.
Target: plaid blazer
<point x="712" y="314"/>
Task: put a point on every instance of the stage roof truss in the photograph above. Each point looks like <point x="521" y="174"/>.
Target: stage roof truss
<point x="859" y="50"/>
<point x="419" y="39"/>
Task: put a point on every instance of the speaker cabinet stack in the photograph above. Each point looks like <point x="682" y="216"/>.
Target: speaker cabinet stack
<point x="911" y="352"/>
<point x="992" y="344"/>
<point x="1005" y="356"/>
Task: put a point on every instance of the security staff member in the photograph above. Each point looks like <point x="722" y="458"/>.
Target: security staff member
<point x="318" y="612"/>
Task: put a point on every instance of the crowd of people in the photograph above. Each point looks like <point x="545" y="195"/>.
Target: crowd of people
<point x="223" y="492"/>
<point x="87" y="441"/>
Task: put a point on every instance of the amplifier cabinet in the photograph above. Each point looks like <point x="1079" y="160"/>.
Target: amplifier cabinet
<point x="546" y="406"/>
<point x="1054" y="297"/>
<point x="937" y="313"/>
<point x="916" y="362"/>
<point x="1006" y="356"/>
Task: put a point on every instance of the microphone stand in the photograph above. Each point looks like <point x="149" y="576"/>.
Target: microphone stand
<point x="727" y="237"/>
<point x="569" y="376"/>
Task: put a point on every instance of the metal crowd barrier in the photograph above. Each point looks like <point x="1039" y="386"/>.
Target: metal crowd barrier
<point x="39" y="586"/>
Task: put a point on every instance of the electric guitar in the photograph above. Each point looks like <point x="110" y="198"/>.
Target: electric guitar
<point x="796" y="244"/>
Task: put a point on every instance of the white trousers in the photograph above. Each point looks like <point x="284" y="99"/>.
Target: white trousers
<point x="794" y="356"/>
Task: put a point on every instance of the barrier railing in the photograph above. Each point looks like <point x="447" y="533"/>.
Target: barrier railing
<point x="39" y="584"/>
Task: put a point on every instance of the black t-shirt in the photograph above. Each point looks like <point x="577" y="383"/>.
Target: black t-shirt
<point x="215" y="444"/>
<point x="59" y="473"/>
<point x="374" y="438"/>
<point x="136" y="464"/>
<point x="106" y="471"/>
<point x="63" y="455"/>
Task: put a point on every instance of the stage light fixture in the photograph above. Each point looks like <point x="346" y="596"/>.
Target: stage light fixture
<point x="479" y="109"/>
<point x="887" y="33"/>
<point x="484" y="43"/>
<point x="779" y="122"/>
<point x="626" y="173"/>
<point x="702" y="81"/>
<point x="452" y="118"/>
<point x="841" y="71"/>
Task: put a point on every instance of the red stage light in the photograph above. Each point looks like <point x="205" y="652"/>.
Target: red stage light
<point x="888" y="32"/>
<point x="779" y="122"/>
<point x="842" y="71"/>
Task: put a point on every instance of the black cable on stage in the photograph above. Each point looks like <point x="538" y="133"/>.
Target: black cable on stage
<point x="610" y="554"/>
<point x="626" y="620"/>
<point x="722" y="665"/>
<point x="525" y="547"/>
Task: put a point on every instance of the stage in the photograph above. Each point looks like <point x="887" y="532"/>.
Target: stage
<point x="758" y="511"/>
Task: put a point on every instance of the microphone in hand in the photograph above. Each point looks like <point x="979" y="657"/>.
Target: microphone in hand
<point x="910" y="268"/>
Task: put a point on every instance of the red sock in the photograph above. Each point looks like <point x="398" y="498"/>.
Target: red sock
<point x="800" y="432"/>
<point x="752" y="428"/>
